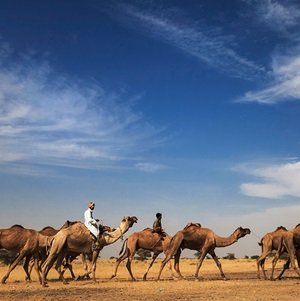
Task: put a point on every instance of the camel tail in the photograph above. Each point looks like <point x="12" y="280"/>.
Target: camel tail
<point x="49" y="243"/>
<point x="124" y="243"/>
<point x="175" y="242"/>
<point x="56" y="245"/>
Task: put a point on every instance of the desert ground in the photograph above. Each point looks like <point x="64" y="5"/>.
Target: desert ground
<point x="242" y="283"/>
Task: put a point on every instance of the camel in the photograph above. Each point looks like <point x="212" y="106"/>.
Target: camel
<point x="50" y="231"/>
<point x="280" y="240"/>
<point x="26" y="242"/>
<point x="77" y="239"/>
<point x="200" y="239"/>
<point x="145" y="239"/>
<point x="296" y="239"/>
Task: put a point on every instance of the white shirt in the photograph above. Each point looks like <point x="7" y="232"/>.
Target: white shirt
<point x="90" y="222"/>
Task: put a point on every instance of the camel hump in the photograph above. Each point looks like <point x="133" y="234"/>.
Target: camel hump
<point x="147" y="229"/>
<point x="281" y="228"/>
<point x="47" y="228"/>
<point x="17" y="226"/>
<point x="191" y="225"/>
<point x="297" y="226"/>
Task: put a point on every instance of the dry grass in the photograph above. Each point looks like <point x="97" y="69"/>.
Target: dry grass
<point x="242" y="285"/>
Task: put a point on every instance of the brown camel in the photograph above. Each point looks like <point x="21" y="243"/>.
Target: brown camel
<point x="145" y="239"/>
<point x="296" y="238"/>
<point x="26" y="242"/>
<point x="77" y="239"/>
<point x="50" y="231"/>
<point x="203" y="240"/>
<point x="280" y="240"/>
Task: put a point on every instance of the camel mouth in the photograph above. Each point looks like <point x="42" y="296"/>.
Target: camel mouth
<point x="247" y="231"/>
<point x="133" y="219"/>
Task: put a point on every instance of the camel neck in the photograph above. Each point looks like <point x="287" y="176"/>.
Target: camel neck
<point x="112" y="237"/>
<point x="225" y="241"/>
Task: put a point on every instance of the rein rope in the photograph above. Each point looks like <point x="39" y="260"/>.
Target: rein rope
<point x="122" y="234"/>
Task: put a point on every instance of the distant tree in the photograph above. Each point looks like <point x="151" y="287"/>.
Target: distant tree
<point x="197" y="255"/>
<point x="230" y="256"/>
<point x="246" y="257"/>
<point x="142" y="254"/>
<point x="254" y="256"/>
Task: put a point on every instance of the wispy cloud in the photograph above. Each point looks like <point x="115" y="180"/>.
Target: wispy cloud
<point x="53" y="119"/>
<point x="149" y="167"/>
<point x="277" y="15"/>
<point x="273" y="181"/>
<point x="286" y="84"/>
<point x="207" y="44"/>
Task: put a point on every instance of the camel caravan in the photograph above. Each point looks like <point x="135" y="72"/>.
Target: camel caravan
<point x="59" y="247"/>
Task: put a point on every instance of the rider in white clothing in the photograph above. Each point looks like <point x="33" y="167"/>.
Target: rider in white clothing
<point x="90" y="222"/>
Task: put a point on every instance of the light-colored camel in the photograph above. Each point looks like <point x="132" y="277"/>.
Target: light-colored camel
<point x="26" y="242"/>
<point x="77" y="239"/>
<point x="70" y="256"/>
<point x="145" y="239"/>
<point x="203" y="240"/>
<point x="296" y="240"/>
<point x="50" y="231"/>
<point x="280" y="240"/>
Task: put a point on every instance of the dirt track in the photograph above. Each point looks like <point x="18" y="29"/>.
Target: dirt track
<point x="242" y="285"/>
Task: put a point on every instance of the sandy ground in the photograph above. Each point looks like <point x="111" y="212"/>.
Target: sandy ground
<point x="242" y="284"/>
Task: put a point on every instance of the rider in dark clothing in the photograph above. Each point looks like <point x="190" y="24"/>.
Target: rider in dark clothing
<point x="157" y="227"/>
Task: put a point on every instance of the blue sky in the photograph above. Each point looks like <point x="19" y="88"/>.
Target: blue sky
<point x="188" y="109"/>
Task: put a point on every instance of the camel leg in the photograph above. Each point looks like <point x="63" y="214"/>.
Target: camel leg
<point x="218" y="263"/>
<point x="163" y="263"/>
<point x="292" y="252"/>
<point x="274" y="262"/>
<point x="287" y="264"/>
<point x="58" y="268"/>
<point x="37" y="268"/>
<point x="125" y="255"/>
<point x="128" y="266"/>
<point x="30" y="266"/>
<point x="149" y="267"/>
<point x="261" y="264"/>
<point x="26" y="269"/>
<point x="84" y="264"/>
<point x="94" y="264"/>
<point x="176" y="263"/>
<point x="13" y="265"/>
<point x="201" y="258"/>
<point x="68" y="265"/>
<point x="285" y="267"/>
<point x="88" y="267"/>
<point x="47" y="266"/>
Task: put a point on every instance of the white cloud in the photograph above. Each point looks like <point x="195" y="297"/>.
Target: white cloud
<point x="274" y="181"/>
<point x="149" y="167"/>
<point x="286" y="84"/>
<point x="48" y="118"/>
<point x="207" y="44"/>
<point x="277" y="15"/>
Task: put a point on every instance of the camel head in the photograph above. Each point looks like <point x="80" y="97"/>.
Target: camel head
<point x="130" y="220"/>
<point x="241" y="232"/>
